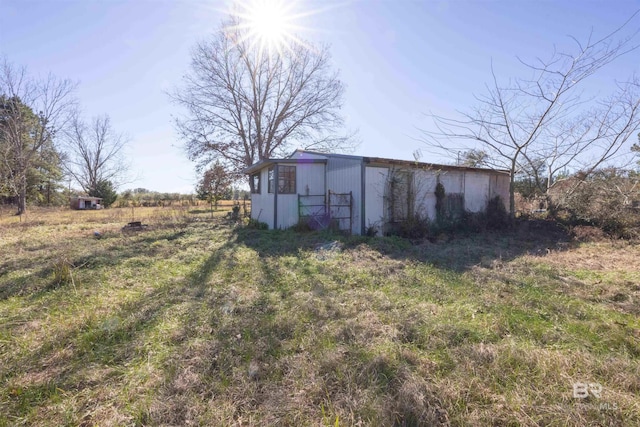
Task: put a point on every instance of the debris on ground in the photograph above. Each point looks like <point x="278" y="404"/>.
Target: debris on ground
<point x="328" y="250"/>
<point x="134" y="226"/>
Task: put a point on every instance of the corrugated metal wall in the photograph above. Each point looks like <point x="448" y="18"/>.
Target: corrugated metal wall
<point x="477" y="188"/>
<point x="262" y="204"/>
<point x="309" y="181"/>
<point x="453" y="181"/>
<point x="345" y="175"/>
<point x="375" y="182"/>
<point x="499" y="186"/>
<point x="424" y="184"/>
<point x="476" y="193"/>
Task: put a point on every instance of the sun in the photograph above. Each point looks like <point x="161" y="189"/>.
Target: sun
<point x="269" y="21"/>
<point x="271" y="25"/>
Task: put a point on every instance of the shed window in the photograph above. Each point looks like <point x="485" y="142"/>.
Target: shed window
<point x="255" y="180"/>
<point x="286" y="179"/>
<point x="270" y="177"/>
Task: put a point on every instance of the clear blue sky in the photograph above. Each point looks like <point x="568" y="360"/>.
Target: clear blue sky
<point x="399" y="59"/>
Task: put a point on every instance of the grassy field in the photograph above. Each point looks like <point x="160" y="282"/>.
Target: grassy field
<point x="197" y="321"/>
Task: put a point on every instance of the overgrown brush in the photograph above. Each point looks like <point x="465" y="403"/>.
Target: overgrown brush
<point x="62" y="272"/>
<point x="256" y="224"/>
<point x="609" y="199"/>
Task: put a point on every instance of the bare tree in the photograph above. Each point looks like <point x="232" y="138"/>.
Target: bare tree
<point x="589" y="141"/>
<point x="215" y="182"/>
<point x="243" y="105"/>
<point x="548" y="116"/>
<point x="95" y="153"/>
<point x="32" y="113"/>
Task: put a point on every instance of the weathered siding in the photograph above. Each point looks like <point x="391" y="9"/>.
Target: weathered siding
<point x="424" y="184"/>
<point x="453" y="181"/>
<point x="309" y="181"/>
<point x="499" y="186"/>
<point x="344" y="174"/>
<point x="375" y="182"/>
<point x="310" y="178"/>
<point x="476" y="193"/>
<point x="287" y="210"/>
<point x="262" y="203"/>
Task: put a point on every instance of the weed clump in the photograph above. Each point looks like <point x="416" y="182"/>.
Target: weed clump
<point x="496" y="214"/>
<point x="415" y="227"/>
<point x="257" y="225"/>
<point x="62" y="272"/>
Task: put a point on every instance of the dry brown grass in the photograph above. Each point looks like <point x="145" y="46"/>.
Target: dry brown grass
<point x="195" y="322"/>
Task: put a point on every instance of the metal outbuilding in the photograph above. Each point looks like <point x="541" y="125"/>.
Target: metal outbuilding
<point x="357" y="192"/>
<point x="85" y="203"/>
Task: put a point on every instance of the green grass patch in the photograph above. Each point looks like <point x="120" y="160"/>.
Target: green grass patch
<point x="198" y="321"/>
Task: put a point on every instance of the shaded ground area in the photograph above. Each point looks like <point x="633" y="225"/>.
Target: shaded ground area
<point x="456" y="252"/>
<point x="200" y="322"/>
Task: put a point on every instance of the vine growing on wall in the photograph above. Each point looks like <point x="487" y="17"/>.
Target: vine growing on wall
<point x="440" y="203"/>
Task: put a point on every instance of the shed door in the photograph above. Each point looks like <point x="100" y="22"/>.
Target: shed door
<point x="399" y="196"/>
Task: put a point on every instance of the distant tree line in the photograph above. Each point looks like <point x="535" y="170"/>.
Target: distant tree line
<point x="148" y="198"/>
<point x="46" y="145"/>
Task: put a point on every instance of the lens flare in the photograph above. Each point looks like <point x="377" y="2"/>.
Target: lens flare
<point x="268" y="24"/>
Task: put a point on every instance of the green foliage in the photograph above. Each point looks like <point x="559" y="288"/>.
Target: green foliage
<point x="104" y="189"/>
<point x="302" y="226"/>
<point x="215" y="184"/>
<point x="235" y="212"/>
<point x="21" y="137"/>
<point x="526" y="186"/>
<point x="371" y="230"/>
<point x="494" y="217"/>
<point x="426" y="334"/>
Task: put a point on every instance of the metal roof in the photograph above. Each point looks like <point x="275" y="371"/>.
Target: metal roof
<point x="268" y="162"/>
<point x="380" y="161"/>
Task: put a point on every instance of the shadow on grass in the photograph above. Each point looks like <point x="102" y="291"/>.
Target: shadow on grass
<point x="222" y="333"/>
<point x="455" y="252"/>
<point x="106" y="252"/>
<point x="102" y="347"/>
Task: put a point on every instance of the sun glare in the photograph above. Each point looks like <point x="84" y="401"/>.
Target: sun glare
<point x="269" y="24"/>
